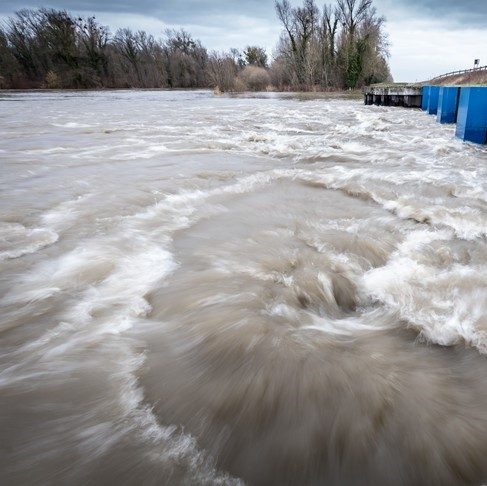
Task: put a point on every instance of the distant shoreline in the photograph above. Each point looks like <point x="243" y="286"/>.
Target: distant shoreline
<point x="356" y="92"/>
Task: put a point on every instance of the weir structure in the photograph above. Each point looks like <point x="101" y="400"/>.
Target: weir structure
<point x="464" y="105"/>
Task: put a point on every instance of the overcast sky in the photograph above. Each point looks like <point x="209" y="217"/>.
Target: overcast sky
<point x="427" y="37"/>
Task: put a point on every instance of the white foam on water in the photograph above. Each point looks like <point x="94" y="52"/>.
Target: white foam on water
<point x="448" y="305"/>
<point x="66" y="213"/>
<point x="467" y="222"/>
<point x="350" y="327"/>
<point x="110" y="277"/>
<point x="16" y="240"/>
<point x="72" y="125"/>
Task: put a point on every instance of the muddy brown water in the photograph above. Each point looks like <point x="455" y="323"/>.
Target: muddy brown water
<point x="261" y="290"/>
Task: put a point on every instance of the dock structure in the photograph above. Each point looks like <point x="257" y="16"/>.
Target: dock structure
<point x="393" y="95"/>
<point x="464" y="105"/>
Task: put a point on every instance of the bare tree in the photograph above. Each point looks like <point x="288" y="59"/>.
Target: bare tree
<point x="24" y="35"/>
<point x="353" y="12"/>
<point x="357" y="18"/>
<point x="125" y="42"/>
<point x="299" y="24"/>
<point x="186" y="60"/>
<point x="94" y="40"/>
<point x="341" y="46"/>
<point x="222" y="71"/>
<point x="328" y="33"/>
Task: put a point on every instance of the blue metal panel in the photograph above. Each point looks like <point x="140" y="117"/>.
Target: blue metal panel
<point x="426" y="97"/>
<point x="433" y="100"/>
<point x="448" y="104"/>
<point x="472" y="115"/>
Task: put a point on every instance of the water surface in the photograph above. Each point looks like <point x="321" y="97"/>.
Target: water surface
<point x="260" y="290"/>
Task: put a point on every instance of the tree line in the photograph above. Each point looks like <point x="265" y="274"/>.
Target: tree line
<point x="336" y="47"/>
<point x="340" y="46"/>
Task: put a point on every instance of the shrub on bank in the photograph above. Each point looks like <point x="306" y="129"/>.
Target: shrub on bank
<point x="52" y="80"/>
<point x="255" y="78"/>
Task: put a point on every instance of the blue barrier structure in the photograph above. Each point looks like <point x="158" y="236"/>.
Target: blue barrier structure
<point x="426" y="97"/>
<point x="448" y="104"/>
<point x="472" y="115"/>
<point x="433" y="100"/>
<point x="466" y="106"/>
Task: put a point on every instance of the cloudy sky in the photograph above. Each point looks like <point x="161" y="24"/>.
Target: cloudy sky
<point x="427" y="37"/>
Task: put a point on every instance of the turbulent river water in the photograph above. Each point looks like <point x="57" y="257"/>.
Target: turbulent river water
<point x="261" y="290"/>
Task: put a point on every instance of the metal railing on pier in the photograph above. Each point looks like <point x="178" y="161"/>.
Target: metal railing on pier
<point x="463" y="71"/>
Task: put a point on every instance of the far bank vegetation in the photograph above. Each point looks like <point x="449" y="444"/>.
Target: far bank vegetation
<point x="340" y="46"/>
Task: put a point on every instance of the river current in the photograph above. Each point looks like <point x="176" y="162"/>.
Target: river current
<point x="218" y="290"/>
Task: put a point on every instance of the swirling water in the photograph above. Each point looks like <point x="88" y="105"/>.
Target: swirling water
<point x="268" y="289"/>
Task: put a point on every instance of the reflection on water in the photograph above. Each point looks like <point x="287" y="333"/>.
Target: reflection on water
<point x="239" y="290"/>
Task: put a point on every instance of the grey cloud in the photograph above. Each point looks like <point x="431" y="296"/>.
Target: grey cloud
<point x="459" y="13"/>
<point x="204" y="12"/>
<point x="223" y="14"/>
<point x="474" y="9"/>
<point x="170" y="11"/>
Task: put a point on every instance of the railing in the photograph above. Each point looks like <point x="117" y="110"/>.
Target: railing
<point x="463" y="71"/>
